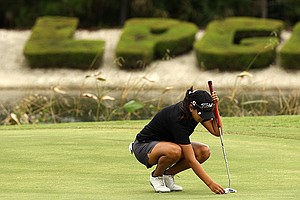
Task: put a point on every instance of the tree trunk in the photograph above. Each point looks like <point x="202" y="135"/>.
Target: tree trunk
<point x="264" y="8"/>
<point x="124" y="10"/>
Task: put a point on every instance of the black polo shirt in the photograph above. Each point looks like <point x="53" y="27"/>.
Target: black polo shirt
<point x="166" y="126"/>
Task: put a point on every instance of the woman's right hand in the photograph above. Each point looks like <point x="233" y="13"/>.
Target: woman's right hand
<point x="215" y="97"/>
<point x="216" y="188"/>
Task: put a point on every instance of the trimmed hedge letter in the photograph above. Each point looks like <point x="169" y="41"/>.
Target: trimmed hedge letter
<point x="238" y="43"/>
<point x="51" y="45"/>
<point x="146" y="39"/>
<point x="289" y="55"/>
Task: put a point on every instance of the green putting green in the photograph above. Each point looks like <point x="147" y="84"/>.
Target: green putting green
<point x="91" y="161"/>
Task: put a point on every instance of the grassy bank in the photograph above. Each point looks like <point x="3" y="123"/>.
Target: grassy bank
<point x="91" y="161"/>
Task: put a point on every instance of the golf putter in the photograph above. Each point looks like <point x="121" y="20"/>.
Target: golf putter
<point x="219" y="123"/>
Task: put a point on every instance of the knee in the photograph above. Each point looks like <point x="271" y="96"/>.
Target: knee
<point x="203" y="153"/>
<point x="174" y="152"/>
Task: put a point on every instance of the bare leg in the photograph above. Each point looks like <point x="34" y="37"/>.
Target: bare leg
<point x="202" y="153"/>
<point x="164" y="154"/>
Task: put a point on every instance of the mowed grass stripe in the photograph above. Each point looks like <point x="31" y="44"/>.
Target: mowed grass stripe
<point x="66" y="160"/>
<point x="91" y="161"/>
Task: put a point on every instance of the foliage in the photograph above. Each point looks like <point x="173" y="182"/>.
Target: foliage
<point x="104" y="13"/>
<point x="133" y="106"/>
<point x="51" y="45"/>
<point x="91" y="13"/>
<point x="226" y="46"/>
<point x="241" y="102"/>
<point x="105" y="104"/>
<point x="146" y="39"/>
<point x="54" y="27"/>
<point x="290" y="52"/>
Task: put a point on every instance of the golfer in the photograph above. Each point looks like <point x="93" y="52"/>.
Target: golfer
<point x="165" y="141"/>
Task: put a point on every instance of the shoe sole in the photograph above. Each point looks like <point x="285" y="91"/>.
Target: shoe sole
<point x="159" y="191"/>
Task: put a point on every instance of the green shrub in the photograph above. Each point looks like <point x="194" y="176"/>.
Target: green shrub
<point x="289" y="55"/>
<point x="238" y="43"/>
<point x="54" y="28"/>
<point x="51" y="45"/>
<point x="144" y="40"/>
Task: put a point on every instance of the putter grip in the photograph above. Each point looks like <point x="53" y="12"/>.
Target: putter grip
<point x="216" y="110"/>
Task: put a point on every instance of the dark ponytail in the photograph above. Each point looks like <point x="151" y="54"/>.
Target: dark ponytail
<point x="185" y="113"/>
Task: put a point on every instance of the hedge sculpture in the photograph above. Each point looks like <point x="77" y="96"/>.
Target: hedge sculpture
<point x="144" y="40"/>
<point x="51" y="45"/>
<point x="238" y="43"/>
<point x="289" y="55"/>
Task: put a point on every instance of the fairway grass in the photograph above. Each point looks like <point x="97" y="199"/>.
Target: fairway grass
<point x="91" y="161"/>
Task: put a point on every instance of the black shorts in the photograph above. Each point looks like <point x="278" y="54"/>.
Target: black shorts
<point x="141" y="151"/>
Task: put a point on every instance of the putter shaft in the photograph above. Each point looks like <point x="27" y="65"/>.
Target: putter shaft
<point x="219" y="124"/>
<point x="224" y="155"/>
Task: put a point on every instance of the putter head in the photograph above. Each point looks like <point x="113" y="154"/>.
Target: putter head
<point x="230" y="190"/>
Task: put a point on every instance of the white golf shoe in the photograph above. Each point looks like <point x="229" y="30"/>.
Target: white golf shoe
<point x="170" y="183"/>
<point x="158" y="184"/>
